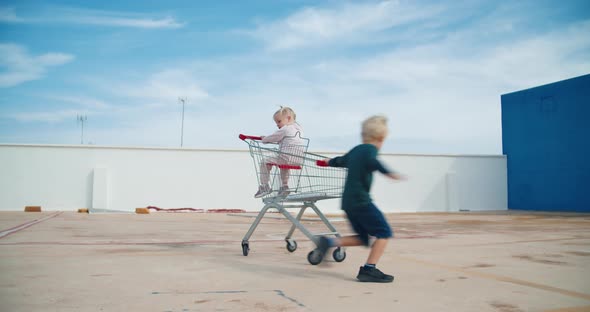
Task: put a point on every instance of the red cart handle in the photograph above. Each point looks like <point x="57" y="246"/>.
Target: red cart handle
<point x="322" y="163"/>
<point x="244" y="137"/>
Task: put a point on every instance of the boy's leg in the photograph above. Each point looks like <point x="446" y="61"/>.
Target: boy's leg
<point x="376" y="225"/>
<point x="348" y="241"/>
<point x="369" y="272"/>
<point x="326" y="243"/>
<point x="377" y="250"/>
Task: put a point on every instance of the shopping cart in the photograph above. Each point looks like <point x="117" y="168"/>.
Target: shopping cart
<point x="309" y="180"/>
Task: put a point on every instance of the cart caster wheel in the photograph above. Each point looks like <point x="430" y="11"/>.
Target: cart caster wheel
<point x="291" y="246"/>
<point x="314" y="257"/>
<point x="245" y="248"/>
<point x="339" y="254"/>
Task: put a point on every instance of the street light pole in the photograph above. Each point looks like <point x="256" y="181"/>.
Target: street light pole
<point x="81" y="119"/>
<point x="182" y="122"/>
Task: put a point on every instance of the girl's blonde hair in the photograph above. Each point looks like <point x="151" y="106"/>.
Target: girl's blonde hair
<point x="374" y="128"/>
<point x="286" y="111"/>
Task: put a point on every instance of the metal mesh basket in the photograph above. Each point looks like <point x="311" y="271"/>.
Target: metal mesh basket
<point x="292" y="173"/>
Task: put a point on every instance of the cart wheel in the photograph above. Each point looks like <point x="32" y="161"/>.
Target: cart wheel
<point x="245" y="248"/>
<point x="314" y="257"/>
<point x="291" y="246"/>
<point x="339" y="254"/>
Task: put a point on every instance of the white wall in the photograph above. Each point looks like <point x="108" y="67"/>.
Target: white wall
<point x="71" y="177"/>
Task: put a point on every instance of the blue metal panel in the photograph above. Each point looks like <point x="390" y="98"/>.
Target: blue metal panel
<point x="546" y="137"/>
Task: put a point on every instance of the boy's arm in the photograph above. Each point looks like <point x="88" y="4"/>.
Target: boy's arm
<point x="375" y="164"/>
<point x="339" y="161"/>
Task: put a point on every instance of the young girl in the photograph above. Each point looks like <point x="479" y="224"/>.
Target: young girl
<point x="289" y="139"/>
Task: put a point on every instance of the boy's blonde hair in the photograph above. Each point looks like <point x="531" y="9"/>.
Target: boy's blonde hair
<point x="374" y="128"/>
<point x="286" y="111"/>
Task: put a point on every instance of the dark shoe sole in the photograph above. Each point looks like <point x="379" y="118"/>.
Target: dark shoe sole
<point x="373" y="280"/>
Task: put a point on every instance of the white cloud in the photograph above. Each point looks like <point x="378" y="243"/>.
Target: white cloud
<point x="89" y="17"/>
<point x="54" y="111"/>
<point x="106" y="20"/>
<point x="511" y="64"/>
<point x="47" y="117"/>
<point x="19" y="66"/>
<point x="165" y="87"/>
<point x="554" y="56"/>
<point x="348" y="22"/>
<point x="445" y="91"/>
<point x="84" y="101"/>
<point x="437" y="93"/>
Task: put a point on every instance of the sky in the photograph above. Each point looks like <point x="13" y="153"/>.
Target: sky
<point x="436" y="69"/>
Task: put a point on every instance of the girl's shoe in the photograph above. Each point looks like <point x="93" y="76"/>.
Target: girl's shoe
<point x="263" y="190"/>
<point x="284" y="191"/>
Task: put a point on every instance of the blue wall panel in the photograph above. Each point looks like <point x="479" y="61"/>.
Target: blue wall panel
<point x="546" y="137"/>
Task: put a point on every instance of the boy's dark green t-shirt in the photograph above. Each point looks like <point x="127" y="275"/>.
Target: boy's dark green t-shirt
<point x="360" y="161"/>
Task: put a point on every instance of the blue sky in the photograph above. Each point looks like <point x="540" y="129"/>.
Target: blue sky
<point x="437" y="69"/>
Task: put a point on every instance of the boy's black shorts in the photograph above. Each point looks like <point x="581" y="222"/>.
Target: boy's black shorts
<point x="368" y="221"/>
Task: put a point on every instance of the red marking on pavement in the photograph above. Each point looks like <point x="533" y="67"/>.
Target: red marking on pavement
<point x="26" y="225"/>
<point x="196" y="210"/>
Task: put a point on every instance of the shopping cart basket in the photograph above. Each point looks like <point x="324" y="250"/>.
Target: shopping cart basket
<point x="309" y="180"/>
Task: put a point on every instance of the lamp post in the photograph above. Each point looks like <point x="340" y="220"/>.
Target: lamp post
<point x="182" y="100"/>
<point x="82" y="119"/>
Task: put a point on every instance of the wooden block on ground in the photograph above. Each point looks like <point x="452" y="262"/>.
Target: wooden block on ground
<point x="83" y="210"/>
<point x="32" y="208"/>
<point x="142" y="210"/>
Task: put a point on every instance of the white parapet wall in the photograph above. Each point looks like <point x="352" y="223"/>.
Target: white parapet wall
<point x="64" y="178"/>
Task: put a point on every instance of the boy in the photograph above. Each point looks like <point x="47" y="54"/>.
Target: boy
<point x="365" y="218"/>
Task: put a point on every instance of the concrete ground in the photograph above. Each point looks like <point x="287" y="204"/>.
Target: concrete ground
<point x="502" y="262"/>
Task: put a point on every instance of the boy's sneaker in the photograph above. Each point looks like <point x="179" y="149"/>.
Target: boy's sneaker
<point x="373" y="275"/>
<point x="262" y="191"/>
<point x="284" y="191"/>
